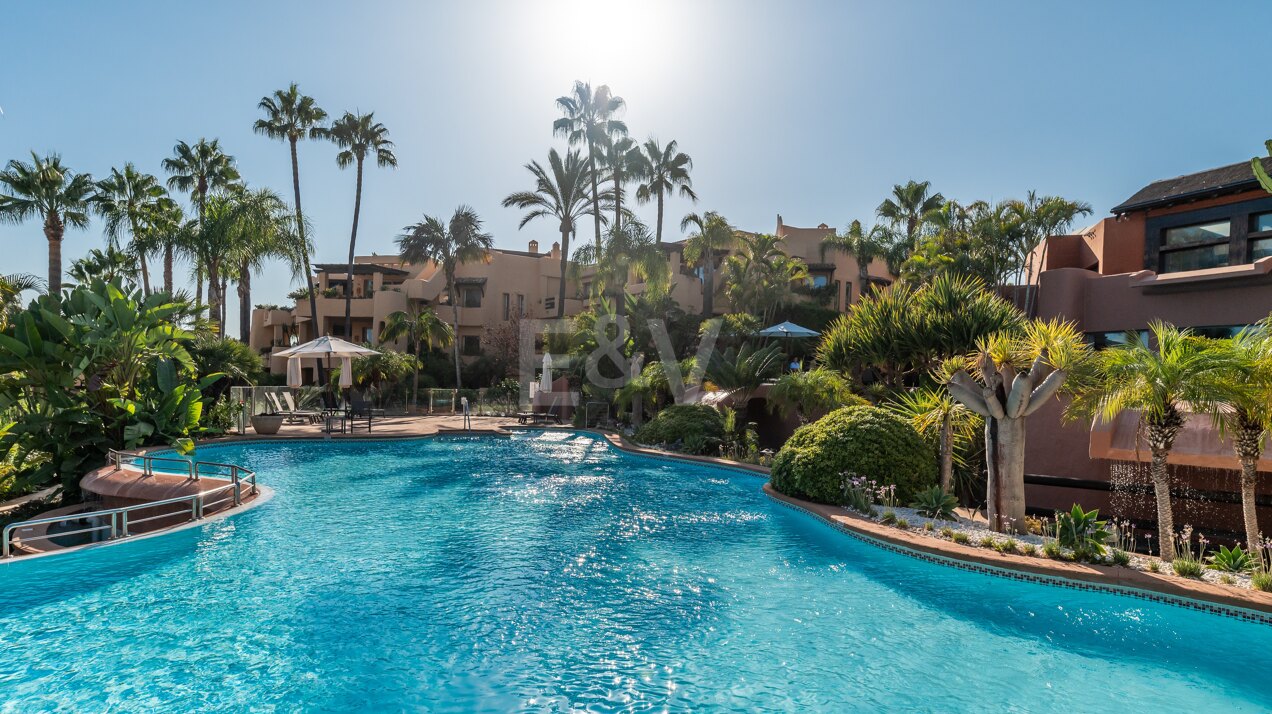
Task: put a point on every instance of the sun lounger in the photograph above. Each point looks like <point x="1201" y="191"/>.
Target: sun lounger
<point x="312" y="416"/>
<point x="537" y="418"/>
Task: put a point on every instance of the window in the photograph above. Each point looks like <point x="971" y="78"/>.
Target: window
<point x="507" y="306"/>
<point x="471" y="297"/>
<point x="1102" y="340"/>
<point x="549" y="304"/>
<point x="521" y="305"/>
<point x="820" y="280"/>
<point x="1203" y="233"/>
<point x="1196" y="247"/>
<point x="471" y="345"/>
<point x="366" y="334"/>
<point x="1260" y="236"/>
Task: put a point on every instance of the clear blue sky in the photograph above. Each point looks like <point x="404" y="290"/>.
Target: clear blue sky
<point x="808" y="109"/>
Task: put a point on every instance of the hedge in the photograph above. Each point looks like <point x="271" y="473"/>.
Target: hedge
<point x="693" y="428"/>
<point x="863" y="440"/>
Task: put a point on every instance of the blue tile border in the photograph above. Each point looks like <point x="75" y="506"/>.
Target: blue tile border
<point x="1056" y="581"/>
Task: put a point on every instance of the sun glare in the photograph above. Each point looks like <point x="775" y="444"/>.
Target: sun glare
<point x="606" y="40"/>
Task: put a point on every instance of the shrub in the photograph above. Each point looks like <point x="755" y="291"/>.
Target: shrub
<point x="947" y="532"/>
<point x="960" y="537"/>
<point x="1029" y="549"/>
<point x="928" y="527"/>
<point x="903" y="524"/>
<point x="1261" y="581"/>
<point x="1005" y="546"/>
<point x="697" y="427"/>
<point x="1154" y="566"/>
<point x="889" y="518"/>
<point x="1186" y="567"/>
<point x="859" y="439"/>
<point x="987" y="542"/>
<point x="935" y="503"/>
<point x="1051" y="549"/>
<point x="1121" y="557"/>
<point x="1232" y="561"/>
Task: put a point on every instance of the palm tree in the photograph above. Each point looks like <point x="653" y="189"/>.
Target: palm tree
<point x="1039" y="217"/>
<point x="422" y="329"/>
<point x="165" y="231"/>
<point x="47" y="190"/>
<point x="265" y="229"/>
<point x="108" y="265"/>
<point x="811" y="394"/>
<point x="910" y="208"/>
<point x="742" y="370"/>
<point x="623" y="159"/>
<point x="560" y="194"/>
<point x="199" y="170"/>
<point x="1185" y="373"/>
<point x="865" y="247"/>
<point x="662" y="171"/>
<point x="760" y="276"/>
<point x="933" y="410"/>
<point x="1247" y="412"/>
<point x="11" y="288"/>
<point x="589" y="119"/>
<point x="358" y="135"/>
<point x="628" y="252"/>
<point x="294" y="116"/>
<point x="449" y="245"/>
<point x="1015" y="376"/>
<point x="713" y="234"/>
<point x="132" y="201"/>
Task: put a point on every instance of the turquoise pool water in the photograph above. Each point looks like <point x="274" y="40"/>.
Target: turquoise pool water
<point x="550" y="572"/>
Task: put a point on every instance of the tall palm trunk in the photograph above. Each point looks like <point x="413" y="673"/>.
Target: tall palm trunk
<point x="618" y="202"/>
<point x="450" y="290"/>
<point x="225" y="300"/>
<point x="415" y="378"/>
<point x="596" y="195"/>
<point x="167" y="269"/>
<point x="53" y="230"/>
<point x="214" y="292"/>
<point x="353" y="241"/>
<point x="947" y="451"/>
<point x="863" y="279"/>
<point x="314" y="320"/>
<point x="1161" y="438"/>
<point x="145" y="274"/>
<point x="658" y="230"/>
<point x="245" y="302"/>
<point x="1248" y="442"/>
<point x="708" y="283"/>
<point x="565" y="252"/>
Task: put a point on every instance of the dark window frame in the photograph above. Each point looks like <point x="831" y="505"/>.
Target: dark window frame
<point x="1240" y="215"/>
<point x="466" y="341"/>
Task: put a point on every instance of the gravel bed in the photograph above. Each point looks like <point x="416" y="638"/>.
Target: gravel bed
<point x="977" y="531"/>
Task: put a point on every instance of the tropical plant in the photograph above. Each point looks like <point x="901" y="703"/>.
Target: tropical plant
<point x="1233" y="561"/>
<point x="49" y="191"/>
<point x="865" y="246"/>
<point x="380" y="372"/>
<point x="627" y="253"/>
<point x="1184" y="373"/>
<point x="663" y="170"/>
<point x="622" y="158"/>
<point x="741" y="370"/>
<point x="1040" y="217"/>
<point x="902" y="333"/>
<point x="133" y="202"/>
<point x="422" y="329"/>
<point x="1016" y="374"/>
<point x="449" y="245"/>
<point x="110" y="264"/>
<point x="11" y="288"/>
<point x="293" y="116"/>
<point x="1082" y="532"/>
<point x="1247" y="411"/>
<point x="935" y="413"/>
<point x="759" y="276"/>
<point x="589" y="120"/>
<point x="561" y="195"/>
<point x="712" y="234"/>
<point x="99" y="367"/>
<point x="811" y="394"/>
<point x="357" y="136"/>
<point x="909" y="209"/>
<point x="935" y="502"/>
<point x="264" y="230"/>
<point x="200" y="170"/>
<point x="854" y="440"/>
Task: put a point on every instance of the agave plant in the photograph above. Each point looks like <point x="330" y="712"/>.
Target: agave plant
<point x="1082" y="531"/>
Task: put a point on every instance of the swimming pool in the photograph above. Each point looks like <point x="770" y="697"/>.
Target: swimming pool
<point x="552" y="572"/>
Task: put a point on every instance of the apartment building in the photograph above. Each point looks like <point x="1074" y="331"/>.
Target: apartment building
<point x="1194" y="251"/>
<point x="493" y="290"/>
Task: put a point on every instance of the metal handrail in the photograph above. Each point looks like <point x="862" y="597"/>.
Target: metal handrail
<point x="119" y="520"/>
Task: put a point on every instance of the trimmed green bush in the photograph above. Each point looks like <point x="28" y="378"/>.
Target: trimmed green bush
<point x="863" y="440"/>
<point x="697" y="428"/>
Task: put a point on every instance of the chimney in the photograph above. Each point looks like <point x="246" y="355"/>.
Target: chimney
<point x="534" y="246"/>
<point x="822" y="226"/>
<point x="556" y="249"/>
